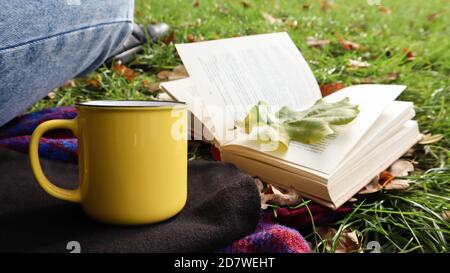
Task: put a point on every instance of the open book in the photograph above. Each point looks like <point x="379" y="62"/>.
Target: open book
<point x="229" y="76"/>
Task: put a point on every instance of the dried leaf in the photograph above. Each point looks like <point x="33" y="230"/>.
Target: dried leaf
<point x="391" y="76"/>
<point x="169" y="38"/>
<point x="51" y="95"/>
<point x="190" y="38"/>
<point x="348" y="45"/>
<point x="327" y="4"/>
<point x="196" y="3"/>
<point x="314" y="42"/>
<point x="96" y="81"/>
<point x="357" y="64"/>
<point x="401" y="167"/>
<point x="384" y="10"/>
<point x="385" y="177"/>
<point x="163" y="74"/>
<point x="285" y="197"/>
<point x="373" y="186"/>
<point x="409" y="54"/>
<point x="151" y="86"/>
<point x="409" y="153"/>
<point x="368" y="80"/>
<point x="181" y="70"/>
<point x="246" y="3"/>
<point x="277" y="196"/>
<point x="431" y="139"/>
<point x="126" y="72"/>
<point x="436" y="15"/>
<point x="271" y="19"/>
<point x="329" y="88"/>
<point x="347" y="242"/>
<point x="70" y="83"/>
<point x="175" y="76"/>
<point x="397" y="184"/>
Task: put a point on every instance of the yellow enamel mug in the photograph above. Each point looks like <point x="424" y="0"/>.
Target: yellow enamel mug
<point x="132" y="158"/>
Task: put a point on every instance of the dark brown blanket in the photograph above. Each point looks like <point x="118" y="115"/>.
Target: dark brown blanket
<point x="223" y="206"/>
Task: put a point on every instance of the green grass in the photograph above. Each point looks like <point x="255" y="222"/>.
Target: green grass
<point x="402" y="221"/>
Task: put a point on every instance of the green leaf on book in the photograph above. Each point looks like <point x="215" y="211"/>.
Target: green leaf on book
<point x="308" y="126"/>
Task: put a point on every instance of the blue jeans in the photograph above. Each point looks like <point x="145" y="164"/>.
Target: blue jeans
<point x="44" y="43"/>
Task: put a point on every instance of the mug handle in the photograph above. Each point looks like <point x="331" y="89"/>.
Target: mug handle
<point x="49" y="187"/>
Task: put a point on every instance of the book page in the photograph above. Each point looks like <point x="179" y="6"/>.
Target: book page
<point x="231" y="75"/>
<point x="184" y="90"/>
<point x="328" y="154"/>
<point x="394" y="116"/>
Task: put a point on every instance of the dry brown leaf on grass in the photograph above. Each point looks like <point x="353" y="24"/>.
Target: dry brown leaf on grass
<point x="51" y="95"/>
<point x="391" y="77"/>
<point x="277" y="196"/>
<point x="196" y="3"/>
<point x="348" y="241"/>
<point x="386" y="79"/>
<point x="317" y="43"/>
<point x="96" y="81"/>
<point x="328" y="4"/>
<point x="431" y="139"/>
<point x="190" y="38"/>
<point x="70" y="83"/>
<point x="397" y="184"/>
<point x="436" y="15"/>
<point x="151" y="86"/>
<point x="348" y="45"/>
<point x="329" y="88"/>
<point x="271" y="19"/>
<point x="246" y="4"/>
<point x="386" y="179"/>
<point x="283" y="197"/>
<point x="179" y="72"/>
<point x="125" y="71"/>
<point x="373" y="186"/>
<point x="446" y="215"/>
<point x="169" y="38"/>
<point x="409" y="54"/>
<point x="384" y="9"/>
<point x="401" y="167"/>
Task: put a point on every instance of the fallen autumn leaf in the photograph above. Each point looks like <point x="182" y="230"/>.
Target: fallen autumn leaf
<point x="317" y="43"/>
<point x="329" y="88"/>
<point x="397" y="184"/>
<point x="401" y="167"/>
<point x="348" y="45"/>
<point x="271" y="19"/>
<point x="125" y="71"/>
<point x="346" y="243"/>
<point x="384" y="10"/>
<point x="430" y="139"/>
